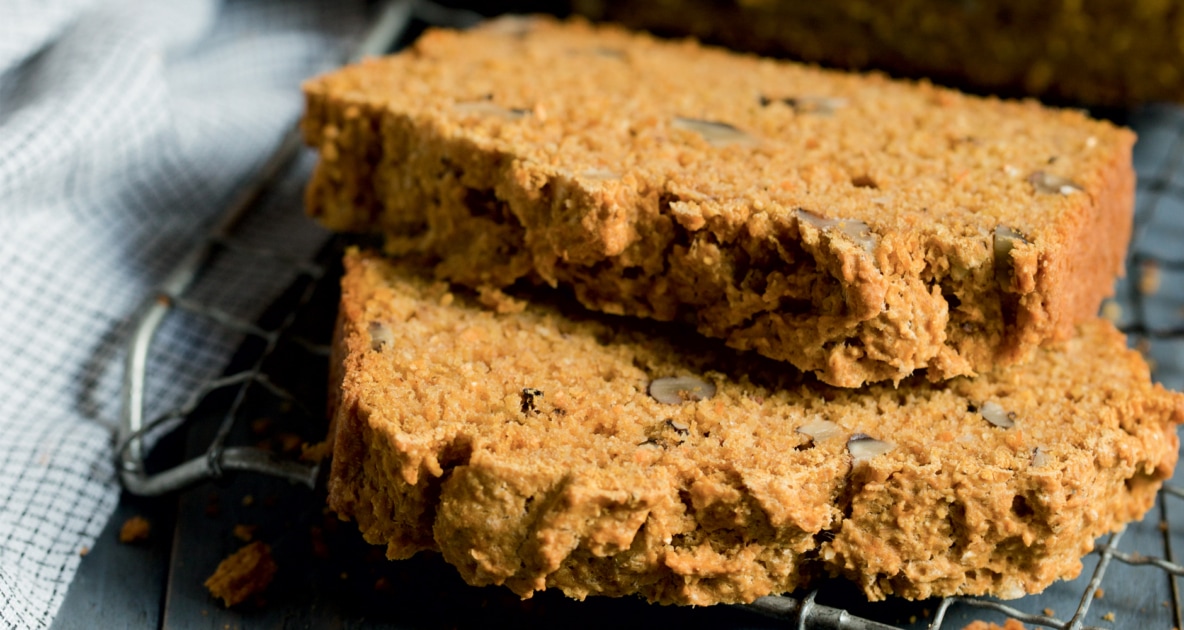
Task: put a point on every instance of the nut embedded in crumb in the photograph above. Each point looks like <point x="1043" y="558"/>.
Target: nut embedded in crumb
<point x="242" y="574"/>
<point x="135" y="529"/>
<point x="819" y="429"/>
<point x="716" y="133"/>
<point x="674" y="390"/>
<point x="380" y="336"/>
<point x="864" y="447"/>
<point x="994" y="413"/>
<point x="1050" y="184"/>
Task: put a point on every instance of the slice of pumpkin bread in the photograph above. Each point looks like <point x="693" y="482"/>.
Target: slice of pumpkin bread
<point x="856" y="227"/>
<point x="545" y="447"/>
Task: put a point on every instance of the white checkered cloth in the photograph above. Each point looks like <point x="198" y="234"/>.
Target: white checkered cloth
<point x="125" y="127"/>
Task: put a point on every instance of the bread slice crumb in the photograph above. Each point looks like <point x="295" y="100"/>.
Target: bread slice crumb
<point x="135" y="529"/>
<point x="242" y="574"/>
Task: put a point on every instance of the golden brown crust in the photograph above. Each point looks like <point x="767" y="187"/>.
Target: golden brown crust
<point x="843" y="223"/>
<point x="525" y="448"/>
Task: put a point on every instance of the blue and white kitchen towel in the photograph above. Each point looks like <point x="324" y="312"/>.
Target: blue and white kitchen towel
<point x="125" y="127"/>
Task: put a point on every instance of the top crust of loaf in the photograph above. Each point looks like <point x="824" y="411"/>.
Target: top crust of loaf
<point x="1104" y="52"/>
<point x="857" y="227"/>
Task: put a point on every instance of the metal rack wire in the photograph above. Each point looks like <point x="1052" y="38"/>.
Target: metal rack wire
<point x="1160" y="199"/>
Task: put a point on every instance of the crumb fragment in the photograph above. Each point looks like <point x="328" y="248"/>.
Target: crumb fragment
<point x="317" y="539"/>
<point x="1108" y="616"/>
<point x="1112" y="311"/>
<point x="135" y="529"/>
<point x="248" y="500"/>
<point x="316" y="453"/>
<point x="244" y="532"/>
<point x="289" y="442"/>
<point x="1149" y="277"/>
<point x="497" y="301"/>
<point x="260" y="426"/>
<point x="1010" y="624"/>
<point x="1048" y="612"/>
<point x="85" y="550"/>
<point x="1099" y="594"/>
<point x="242" y="574"/>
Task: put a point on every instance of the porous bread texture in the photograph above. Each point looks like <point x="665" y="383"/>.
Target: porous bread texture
<point x="857" y="227"/>
<point x="525" y="448"/>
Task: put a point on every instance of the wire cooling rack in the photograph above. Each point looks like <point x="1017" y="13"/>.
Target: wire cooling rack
<point x="1134" y="570"/>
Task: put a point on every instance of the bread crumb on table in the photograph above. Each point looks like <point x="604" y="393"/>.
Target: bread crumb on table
<point x="316" y="453"/>
<point x="135" y="529"/>
<point x="1010" y="624"/>
<point x="242" y="574"/>
<point x="244" y="532"/>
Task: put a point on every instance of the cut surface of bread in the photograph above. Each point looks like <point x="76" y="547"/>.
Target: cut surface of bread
<point x="545" y="447"/>
<point x="859" y="228"/>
